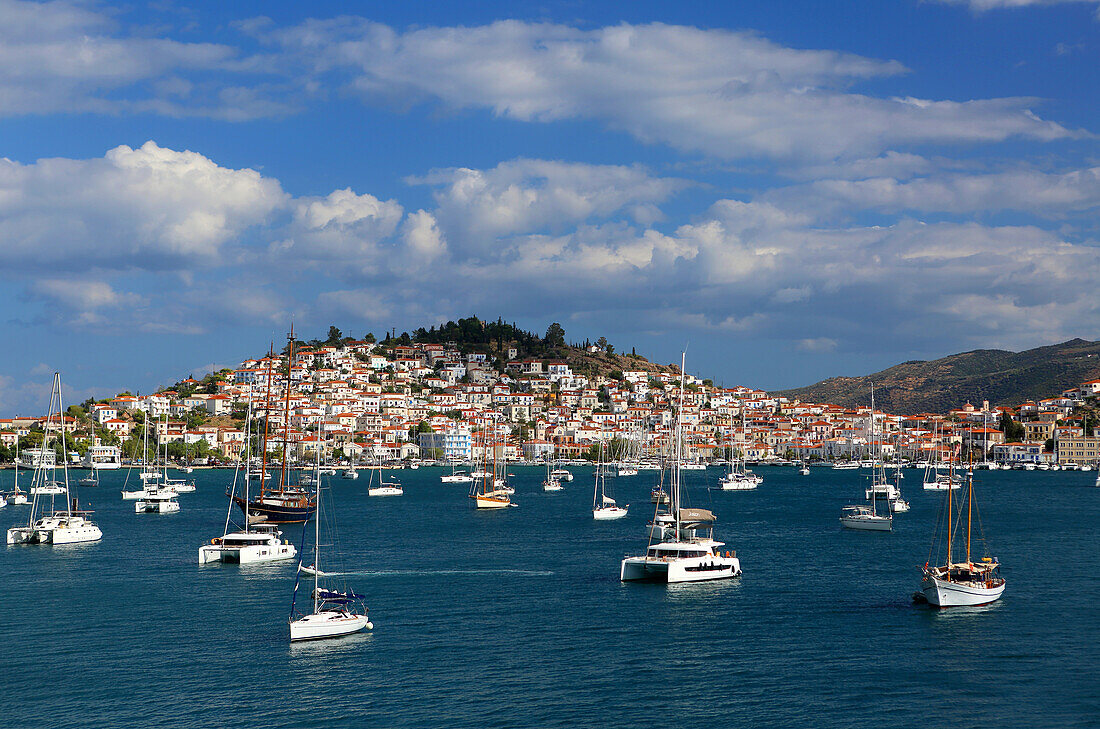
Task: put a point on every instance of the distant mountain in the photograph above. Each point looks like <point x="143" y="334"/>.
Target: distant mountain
<point x="1003" y="378"/>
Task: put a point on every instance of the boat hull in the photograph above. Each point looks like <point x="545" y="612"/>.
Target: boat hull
<point x="702" y="569"/>
<point x="867" y="524"/>
<point x="942" y="593"/>
<point x="156" y="507"/>
<point x="276" y="513"/>
<point x="609" y="512"/>
<point x="252" y="554"/>
<point x="328" y="624"/>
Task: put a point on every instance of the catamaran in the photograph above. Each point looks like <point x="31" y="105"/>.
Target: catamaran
<point x="335" y="613"/>
<point x="967" y="582"/>
<point x="682" y="558"/>
<point x="254" y="541"/>
<point x="70" y="525"/>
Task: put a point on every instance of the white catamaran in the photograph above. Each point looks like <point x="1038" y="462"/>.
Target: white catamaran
<point x="69" y="525"/>
<point x="682" y="558"/>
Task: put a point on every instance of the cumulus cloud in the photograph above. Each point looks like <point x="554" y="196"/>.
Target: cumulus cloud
<point x="343" y="226"/>
<point x="149" y="208"/>
<point x="716" y="92"/>
<point x="983" y="5"/>
<point x="530" y="196"/>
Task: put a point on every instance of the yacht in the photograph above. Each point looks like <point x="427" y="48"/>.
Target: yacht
<point x="256" y="541"/>
<point x="68" y="525"/>
<point x="32" y="458"/>
<point x="103" y="458"/>
<point x="845" y="465"/>
<point x="385" y="488"/>
<point x="158" y="501"/>
<point x="550" y="483"/>
<point x="350" y="474"/>
<point x="561" y="474"/>
<point x="682" y="558"/>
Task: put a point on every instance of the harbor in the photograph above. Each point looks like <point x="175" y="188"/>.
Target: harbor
<point x="517" y="617"/>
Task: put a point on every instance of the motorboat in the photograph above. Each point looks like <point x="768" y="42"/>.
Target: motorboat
<point x="351" y="474"/>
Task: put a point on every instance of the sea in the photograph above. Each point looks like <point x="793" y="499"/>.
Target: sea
<point x="517" y="618"/>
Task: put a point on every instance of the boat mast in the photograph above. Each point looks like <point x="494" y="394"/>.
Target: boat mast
<point x="286" y="409"/>
<point x="676" y="455"/>
<point x="317" y="515"/>
<point x="64" y="454"/>
<point x="950" y="535"/>
<point x="969" y="505"/>
<point x="267" y="420"/>
<point x="874" y="456"/>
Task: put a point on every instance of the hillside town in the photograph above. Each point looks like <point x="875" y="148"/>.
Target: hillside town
<point x="403" y="399"/>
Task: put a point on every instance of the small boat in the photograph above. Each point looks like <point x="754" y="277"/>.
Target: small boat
<point x="552" y="484"/>
<point x="658" y="496"/>
<point x="561" y="474"/>
<point x="92" y="480"/>
<point x="311" y="570"/>
<point x="604" y="507"/>
<point x="391" y="488"/>
<point x="845" y="465"/>
<point x="350" y="474"/>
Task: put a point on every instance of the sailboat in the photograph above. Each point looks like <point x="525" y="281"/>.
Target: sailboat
<point x="867" y="518"/>
<point x="967" y="582"/>
<point x="286" y="503"/>
<point x="935" y="481"/>
<point x="54" y="526"/>
<point x="16" y="497"/>
<point x="603" y="506"/>
<point x="456" y="476"/>
<point x="334" y="613"/>
<point x="551" y="482"/>
<point x="383" y="487"/>
<point x="739" y="477"/>
<point x="489" y="490"/>
<point x="683" y="558"/>
<point x="254" y="542"/>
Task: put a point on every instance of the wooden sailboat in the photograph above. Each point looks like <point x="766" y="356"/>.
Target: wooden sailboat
<point x="490" y="490"/>
<point x="284" y="503"/>
<point x="967" y="582"/>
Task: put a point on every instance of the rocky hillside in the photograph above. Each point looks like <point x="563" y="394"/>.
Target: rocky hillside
<point x="1003" y="378"/>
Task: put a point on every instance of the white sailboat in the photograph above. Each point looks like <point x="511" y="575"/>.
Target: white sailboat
<point x="867" y="518"/>
<point x="334" y="613"/>
<point x="551" y="483"/>
<point x="603" y="506"/>
<point x="382" y="486"/>
<point x="682" y="558"/>
<point x="16" y="497"/>
<point x="935" y="481"/>
<point x="70" y="525"/>
<point x="254" y="542"/>
<point x="456" y="476"/>
<point x="739" y="478"/>
<point x="961" y="583"/>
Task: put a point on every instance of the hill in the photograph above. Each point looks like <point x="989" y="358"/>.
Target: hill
<point x="1002" y="377"/>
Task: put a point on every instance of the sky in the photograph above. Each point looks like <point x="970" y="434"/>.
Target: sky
<point x="790" y="190"/>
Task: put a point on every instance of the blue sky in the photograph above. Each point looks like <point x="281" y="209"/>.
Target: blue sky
<point x="792" y="190"/>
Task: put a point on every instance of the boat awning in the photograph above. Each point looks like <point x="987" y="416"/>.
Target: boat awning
<point x="696" y="515"/>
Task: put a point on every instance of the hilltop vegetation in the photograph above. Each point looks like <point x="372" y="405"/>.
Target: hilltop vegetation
<point x="1002" y="377"/>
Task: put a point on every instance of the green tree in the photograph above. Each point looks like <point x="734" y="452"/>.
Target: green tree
<point x="1014" y="432"/>
<point x="555" y="335"/>
<point x="335" y="337"/>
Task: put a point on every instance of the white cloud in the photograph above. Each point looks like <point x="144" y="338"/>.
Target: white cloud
<point x="984" y="5"/>
<point x="84" y="295"/>
<point x="531" y="196"/>
<point x="817" y="344"/>
<point x="343" y="226"/>
<point x="149" y="208"/>
<point x="66" y="57"/>
<point x="1037" y="193"/>
<point x="716" y="92"/>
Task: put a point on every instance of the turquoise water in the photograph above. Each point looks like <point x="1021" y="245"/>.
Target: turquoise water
<point x="517" y="618"/>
